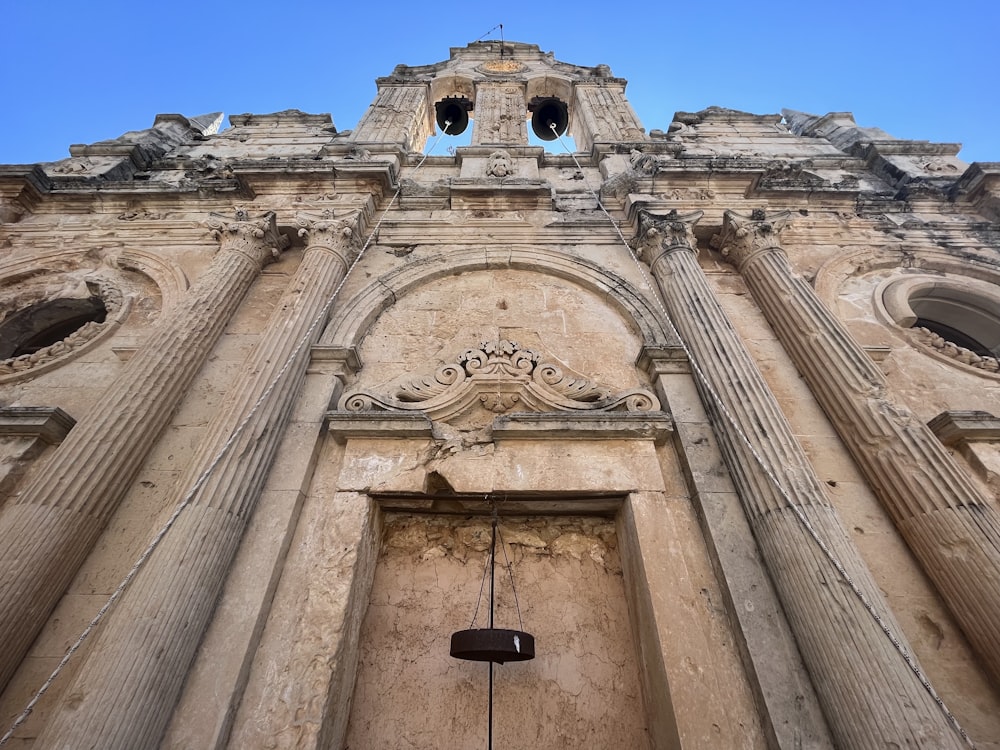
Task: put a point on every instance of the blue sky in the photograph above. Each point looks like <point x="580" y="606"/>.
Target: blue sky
<point x="78" y="72"/>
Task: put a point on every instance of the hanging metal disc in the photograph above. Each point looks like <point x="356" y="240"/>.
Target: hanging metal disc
<point x="493" y="644"/>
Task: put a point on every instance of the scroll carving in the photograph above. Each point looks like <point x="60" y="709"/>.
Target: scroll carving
<point x="499" y="376"/>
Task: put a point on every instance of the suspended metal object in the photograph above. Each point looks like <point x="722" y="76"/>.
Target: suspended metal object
<point x="493" y="645"/>
<point x="548" y="111"/>
<point x="453" y="114"/>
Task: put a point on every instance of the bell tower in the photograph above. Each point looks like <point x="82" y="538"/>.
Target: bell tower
<point x="501" y="86"/>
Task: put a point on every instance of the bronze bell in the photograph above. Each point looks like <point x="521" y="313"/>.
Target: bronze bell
<point x="548" y="111"/>
<point x="453" y="109"/>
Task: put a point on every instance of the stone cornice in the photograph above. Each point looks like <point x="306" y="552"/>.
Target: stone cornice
<point x="51" y="424"/>
<point x="744" y="237"/>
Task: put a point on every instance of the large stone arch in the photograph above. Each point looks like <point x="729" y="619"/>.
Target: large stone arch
<point x="353" y="317"/>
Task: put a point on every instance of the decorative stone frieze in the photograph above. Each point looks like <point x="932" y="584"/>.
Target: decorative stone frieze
<point x="869" y="695"/>
<point x="932" y="501"/>
<point x="58" y="517"/>
<point x="500" y="376"/>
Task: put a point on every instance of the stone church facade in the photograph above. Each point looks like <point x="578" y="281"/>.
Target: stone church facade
<point x="728" y="391"/>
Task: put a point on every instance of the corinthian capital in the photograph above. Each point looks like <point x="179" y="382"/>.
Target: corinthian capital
<point x="661" y="233"/>
<point x="744" y="237"/>
<point x="327" y="230"/>
<point x="256" y="237"/>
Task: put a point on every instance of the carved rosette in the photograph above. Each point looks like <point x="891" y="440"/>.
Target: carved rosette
<point x="499" y="375"/>
<point x="327" y="231"/>
<point x="743" y="238"/>
<point x="256" y="237"/>
<point x="661" y="234"/>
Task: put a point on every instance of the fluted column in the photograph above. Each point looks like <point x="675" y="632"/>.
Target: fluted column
<point x="952" y="529"/>
<point x="125" y="691"/>
<point x="50" y="530"/>
<point x="870" y="697"/>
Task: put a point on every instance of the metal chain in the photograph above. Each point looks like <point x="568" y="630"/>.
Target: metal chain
<point x="811" y="530"/>
<point x="203" y="477"/>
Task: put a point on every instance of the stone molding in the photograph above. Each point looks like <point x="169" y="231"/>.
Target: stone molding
<point x="957" y="427"/>
<point x="60" y="514"/>
<point x="500" y="376"/>
<point x="49" y="423"/>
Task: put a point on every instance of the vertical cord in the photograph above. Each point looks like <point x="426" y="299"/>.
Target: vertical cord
<point x="493" y="558"/>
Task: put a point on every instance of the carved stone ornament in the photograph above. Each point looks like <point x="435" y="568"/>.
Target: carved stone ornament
<point x="499" y="164"/>
<point x="257" y="237"/>
<point x="743" y="237"/>
<point x="327" y="230"/>
<point x="660" y="233"/>
<point x="501" y="376"/>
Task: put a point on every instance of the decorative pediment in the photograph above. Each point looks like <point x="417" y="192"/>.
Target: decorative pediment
<point x="500" y="376"/>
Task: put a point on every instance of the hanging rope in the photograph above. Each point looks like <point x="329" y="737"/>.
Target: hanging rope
<point x="203" y="477"/>
<point x="810" y="529"/>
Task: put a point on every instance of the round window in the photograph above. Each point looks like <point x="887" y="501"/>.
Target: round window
<point x="959" y="318"/>
<point x="46" y="323"/>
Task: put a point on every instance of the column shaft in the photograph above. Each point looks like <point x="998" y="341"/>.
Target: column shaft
<point x="949" y="525"/>
<point x="48" y="533"/>
<point x="124" y="692"/>
<point x="869" y="695"/>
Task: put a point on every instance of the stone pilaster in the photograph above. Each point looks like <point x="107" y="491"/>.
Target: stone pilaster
<point x="934" y="504"/>
<point x="398" y="115"/>
<point x="500" y="115"/>
<point x="145" y="647"/>
<point x="50" y="530"/>
<point x="869" y="695"/>
<point x="603" y="115"/>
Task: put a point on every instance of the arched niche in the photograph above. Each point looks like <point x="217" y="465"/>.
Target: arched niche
<point x="592" y="320"/>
